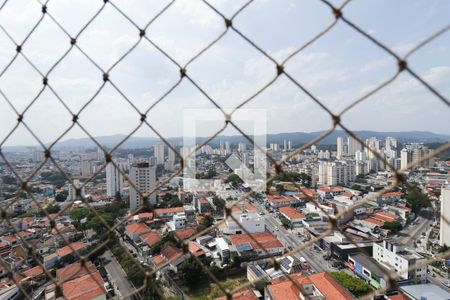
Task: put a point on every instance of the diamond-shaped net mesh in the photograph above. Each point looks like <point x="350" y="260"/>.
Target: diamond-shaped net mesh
<point x="144" y="280"/>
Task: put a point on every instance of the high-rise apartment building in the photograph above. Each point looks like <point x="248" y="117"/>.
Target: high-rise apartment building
<point x="340" y="148"/>
<point x="72" y="193"/>
<point x="405" y="158"/>
<point x="86" y="168"/>
<point x="114" y="180"/>
<point x="336" y="173"/>
<point x="227" y="148"/>
<point x="143" y="176"/>
<point x="242" y="147"/>
<point x="444" y="236"/>
<point x="159" y="153"/>
<point x="391" y="143"/>
<point x="353" y="145"/>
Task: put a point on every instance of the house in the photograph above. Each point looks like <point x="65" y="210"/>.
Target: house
<point x="70" y="249"/>
<point x="203" y="205"/>
<point x="86" y="287"/>
<point x="402" y="211"/>
<point x="75" y="270"/>
<point x="10" y="240"/>
<point x="140" y="218"/>
<point x="267" y="243"/>
<point x="179" y="221"/>
<point x="167" y="213"/>
<point x="328" y="192"/>
<point x="151" y="238"/>
<point x="5" y="248"/>
<point x="248" y="222"/>
<point x="50" y="260"/>
<point x="277" y="201"/>
<point x="316" y="286"/>
<point x="293" y="216"/>
<point x="195" y="249"/>
<point x="384" y="217"/>
<point x="290" y="265"/>
<point x="184" y="234"/>
<point x="133" y="231"/>
<point x="36" y="273"/>
<point x="391" y="197"/>
<point x="172" y="256"/>
<point x="223" y="250"/>
<point x="248" y="294"/>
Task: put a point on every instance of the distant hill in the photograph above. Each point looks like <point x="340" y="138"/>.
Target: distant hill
<point x="297" y="138"/>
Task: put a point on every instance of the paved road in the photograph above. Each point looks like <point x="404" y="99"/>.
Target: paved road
<point x="413" y="232"/>
<point x="289" y="239"/>
<point x="439" y="281"/>
<point x="117" y="274"/>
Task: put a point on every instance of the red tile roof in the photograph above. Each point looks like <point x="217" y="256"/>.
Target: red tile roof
<point x="203" y="201"/>
<point x="247" y="206"/>
<point x="138" y="228"/>
<point x="159" y="260"/>
<point x="77" y="246"/>
<point x="171" y="253"/>
<point x="33" y="272"/>
<point x="151" y="238"/>
<point x="183" y="234"/>
<point x="171" y="210"/>
<point x="280" y="198"/>
<point x="324" y="282"/>
<point x="147" y="215"/>
<point x="74" y="270"/>
<point x="241" y="295"/>
<point x="265" y="239"/>
<point x="291" y="212"/>
<point x="375" y="221"/>
<point x="85" y="287"/>
<point x="9" y="238"/>
<point x="385" y="216"/>
<point x="309" y="192"/>
<point x="331" y="189"/>
<point x="195" y="249"/>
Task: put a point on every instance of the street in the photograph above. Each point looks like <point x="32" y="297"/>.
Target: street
<point x="117" y="275"/>
<point x="317" y="262"/>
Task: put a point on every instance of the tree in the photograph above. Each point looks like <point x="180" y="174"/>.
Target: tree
<point x="234" y="180"/>
<point x="191" y="272"/>
<point x="78" y="214"/>
<point x="415" y="199"/>
<point x="393" y="226"/>
<point x="54" y="178"/>
<point x="219" y="203"/>
<point x="52" y="208"/>
<point x="355" y="285"/>
<point x="96" y="223"/>
<point x="61" y="197"/>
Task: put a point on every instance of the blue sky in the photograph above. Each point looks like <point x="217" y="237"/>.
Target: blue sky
<point x="338" y="68"/>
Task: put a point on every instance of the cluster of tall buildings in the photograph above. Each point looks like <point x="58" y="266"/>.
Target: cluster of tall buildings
<point x="142" y="175"/>
<point x="337" y="172"/>
<point x="287" y="146"/>
<point x="414" y="153"/>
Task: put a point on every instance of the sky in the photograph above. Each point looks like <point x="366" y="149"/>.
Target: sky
<point x="338" y="68"/>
